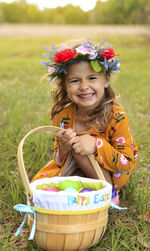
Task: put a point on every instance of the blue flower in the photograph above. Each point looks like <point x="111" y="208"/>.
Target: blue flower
<point x="47" y="49"/>
<point x="51" y="78"/>
<point x="105" y="63"/>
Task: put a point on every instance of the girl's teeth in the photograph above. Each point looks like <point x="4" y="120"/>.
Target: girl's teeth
<point x="86" y="96"/>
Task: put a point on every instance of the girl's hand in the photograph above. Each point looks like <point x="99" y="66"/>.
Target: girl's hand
<point x="84" y="144"/>
<point x="67" y="138"/>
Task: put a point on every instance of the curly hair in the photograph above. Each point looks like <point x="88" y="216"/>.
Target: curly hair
<point x="102" y="114"/>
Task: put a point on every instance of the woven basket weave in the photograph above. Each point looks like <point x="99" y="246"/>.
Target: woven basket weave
<point x="64" y="232"/>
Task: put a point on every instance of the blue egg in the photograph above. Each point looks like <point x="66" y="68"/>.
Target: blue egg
<point x="70" y="190"/>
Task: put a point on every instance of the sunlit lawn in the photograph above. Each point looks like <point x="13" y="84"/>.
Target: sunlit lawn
<point x="24" y="104"/>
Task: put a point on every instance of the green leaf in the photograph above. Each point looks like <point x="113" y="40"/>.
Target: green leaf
<point x="96" y="66"/>
<point x="76" y="55"/>
<point x="104" y="69"/>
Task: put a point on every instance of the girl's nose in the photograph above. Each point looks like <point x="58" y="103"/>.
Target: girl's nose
<point x="83" y="85"/>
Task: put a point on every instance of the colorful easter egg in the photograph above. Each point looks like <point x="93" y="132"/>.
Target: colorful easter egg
<point x="43" y="186"/>
<point x="80" y="189"/>
<point x="68" y="184"/>
<point x="86" y="190"/>
<point x="50" y="189"/>
<point x="70" y="190"/>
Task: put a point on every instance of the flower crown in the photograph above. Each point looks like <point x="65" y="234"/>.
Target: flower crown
<point x="99" y="58"/>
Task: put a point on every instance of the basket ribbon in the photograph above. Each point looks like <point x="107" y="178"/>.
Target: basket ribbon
<point x="28" y="210"/>
<point x="117" y="207"/>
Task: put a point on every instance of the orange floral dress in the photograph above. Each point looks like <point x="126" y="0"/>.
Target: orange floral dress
<point x="116" y="147"/>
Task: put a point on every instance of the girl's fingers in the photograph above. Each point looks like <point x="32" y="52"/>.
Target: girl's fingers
<point x="71" y="141"/>
<point x="83" y="153"/>
<point x="77" y="149"/>
<point x="76" y="145"/>
<point x="65" y="139"/>
<point x="60" y="132"/>
<point x="69" y="134"/>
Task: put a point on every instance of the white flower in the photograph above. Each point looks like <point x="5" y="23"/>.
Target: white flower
<point x="117" y="175"/>
<point x="93" y="54"/>
<point x="120" y="140"/>
<point x="99" y="143"/>
<point x="51" y="69"/>
<point x="84" y="50"/>
<point x="123" y="160"/>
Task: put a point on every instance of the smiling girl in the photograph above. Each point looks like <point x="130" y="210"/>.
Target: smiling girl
<point x="91" y="121"/>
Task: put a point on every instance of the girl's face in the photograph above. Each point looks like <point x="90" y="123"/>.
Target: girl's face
<point x="85" y="87"/>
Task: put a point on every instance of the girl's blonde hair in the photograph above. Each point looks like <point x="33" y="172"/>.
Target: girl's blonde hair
<point x="102" y="114"/>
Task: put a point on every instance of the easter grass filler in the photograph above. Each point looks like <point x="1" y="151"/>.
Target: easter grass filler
<point x="91" y="185"/>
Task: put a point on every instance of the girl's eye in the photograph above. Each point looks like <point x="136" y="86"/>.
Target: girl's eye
<point x="74" y="81"/>
<point x="92" y="78"/>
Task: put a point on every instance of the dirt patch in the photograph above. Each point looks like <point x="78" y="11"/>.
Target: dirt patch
<point x="25" y="30"/>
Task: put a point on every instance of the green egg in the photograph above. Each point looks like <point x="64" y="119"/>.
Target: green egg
<point x="43" y="186"/>
<point x="38" y="187"/>
<point x="68" y="183"/>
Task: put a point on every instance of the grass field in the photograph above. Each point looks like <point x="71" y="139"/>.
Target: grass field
<point x="24" y="104"/>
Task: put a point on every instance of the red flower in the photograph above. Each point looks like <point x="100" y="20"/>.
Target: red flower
<point x="64" y="56"/>
<point x="108" y="53"/>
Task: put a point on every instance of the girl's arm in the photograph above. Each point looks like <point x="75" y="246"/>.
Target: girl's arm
<point x="117" y="155"/>
<point x="85" y="165"/>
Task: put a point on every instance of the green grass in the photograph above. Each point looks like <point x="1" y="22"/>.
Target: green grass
<point x="24" y="104"/>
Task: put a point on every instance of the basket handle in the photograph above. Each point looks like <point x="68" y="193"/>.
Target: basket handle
<point x="21" y="162"/>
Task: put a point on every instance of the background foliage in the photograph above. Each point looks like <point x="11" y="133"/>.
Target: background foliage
<point x="109" y="12"/>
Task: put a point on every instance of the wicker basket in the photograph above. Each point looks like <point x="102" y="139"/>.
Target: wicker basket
<point x="64" y="232"/>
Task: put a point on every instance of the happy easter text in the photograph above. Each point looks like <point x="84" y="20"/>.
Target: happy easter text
<point x="85" y="200"/>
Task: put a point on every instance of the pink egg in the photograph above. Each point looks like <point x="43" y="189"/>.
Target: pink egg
<point x="51" y="189"/>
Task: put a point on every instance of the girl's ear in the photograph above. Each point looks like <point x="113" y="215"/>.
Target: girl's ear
<point x="107" y="82"/>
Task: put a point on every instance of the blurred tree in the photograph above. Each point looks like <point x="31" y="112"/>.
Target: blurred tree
<point x="34" y="15"/>
<point x="59" y="17"/>
<point x="129" y="11"/>
<point x="91" y="17"/>
<point x="65" y="15"/>
<point x="74" y="15"/>
<point x="14" y="12"/>
<point x="139" y="11"/>
<point x="2" y="18"/>
<point x="48" y="15"/>
<point x="101" y="13"/>
<point x="108" y="12"/>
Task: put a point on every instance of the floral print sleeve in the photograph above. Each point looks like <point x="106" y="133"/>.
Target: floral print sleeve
<point x="118" y="153"/>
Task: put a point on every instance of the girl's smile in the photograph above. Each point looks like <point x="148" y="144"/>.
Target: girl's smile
<point x="85" y="87"/>
<point x="86" y="96"/>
